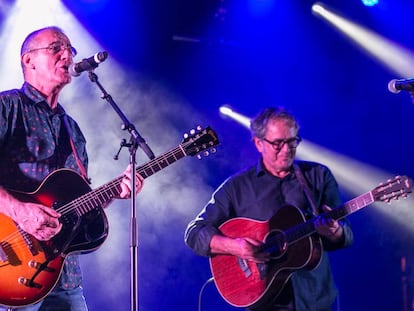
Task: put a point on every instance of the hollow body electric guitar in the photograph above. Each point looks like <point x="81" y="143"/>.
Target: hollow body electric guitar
<point x="29" y="269"/>
<point x="292" y="243"/>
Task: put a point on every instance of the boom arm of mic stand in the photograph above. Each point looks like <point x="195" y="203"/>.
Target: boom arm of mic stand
<point x="135" y="136"/>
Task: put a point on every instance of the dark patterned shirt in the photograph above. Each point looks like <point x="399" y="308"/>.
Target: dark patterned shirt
<point x="33" y="143"/>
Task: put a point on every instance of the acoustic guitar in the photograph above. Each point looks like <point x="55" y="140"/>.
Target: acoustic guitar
<point x="292" y="242"/>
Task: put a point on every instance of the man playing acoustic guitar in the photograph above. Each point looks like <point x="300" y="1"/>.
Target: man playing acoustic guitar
<point x="258" y="261"/>
<point x="38" y="138"/>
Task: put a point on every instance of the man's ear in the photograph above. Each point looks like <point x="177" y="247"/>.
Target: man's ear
<point x="258" y="143"/>
<point x="27" y="61"/>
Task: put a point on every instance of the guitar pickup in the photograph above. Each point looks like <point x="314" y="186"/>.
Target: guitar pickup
<point x="28" y="241"/>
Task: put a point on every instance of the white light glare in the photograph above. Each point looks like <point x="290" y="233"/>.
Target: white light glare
<point x="243" y="120"/>
<point x="393" y="56"/>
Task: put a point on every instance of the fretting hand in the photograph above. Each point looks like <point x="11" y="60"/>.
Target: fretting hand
<point x="328" y="227"/>
<point x="126" y="183"/>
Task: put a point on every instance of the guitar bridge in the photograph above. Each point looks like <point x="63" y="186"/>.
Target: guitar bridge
<point x="3" y="255"/>
<point x="244" y="266"/>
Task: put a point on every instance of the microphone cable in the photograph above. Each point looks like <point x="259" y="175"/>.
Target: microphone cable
<point x="202" y="290"/>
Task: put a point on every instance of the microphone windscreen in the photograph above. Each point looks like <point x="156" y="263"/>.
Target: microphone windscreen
<point x="391" y="86"/>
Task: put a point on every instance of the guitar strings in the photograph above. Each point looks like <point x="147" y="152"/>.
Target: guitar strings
<point x="100" y="195"/>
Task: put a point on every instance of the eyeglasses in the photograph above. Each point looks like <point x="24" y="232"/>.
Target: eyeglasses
<point x="56" y="47"/>
<point x="279" y="143"/>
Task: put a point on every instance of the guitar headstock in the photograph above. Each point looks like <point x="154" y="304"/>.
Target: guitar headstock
<point x="393" y="189"/>
<point x="200" y="140"/>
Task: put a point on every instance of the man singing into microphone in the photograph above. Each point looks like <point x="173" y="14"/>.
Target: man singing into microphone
<point x="37" y="137"/>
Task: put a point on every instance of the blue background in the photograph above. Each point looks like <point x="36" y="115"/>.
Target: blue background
<point x="248" y="54"/>
<point x="281" y="55"/>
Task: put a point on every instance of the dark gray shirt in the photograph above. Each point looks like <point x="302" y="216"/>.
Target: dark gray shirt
<point x="258" y="195"/>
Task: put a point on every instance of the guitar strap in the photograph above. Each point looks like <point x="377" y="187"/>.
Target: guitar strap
<point x="305" y="187"/>
<point x="82" y="168"/>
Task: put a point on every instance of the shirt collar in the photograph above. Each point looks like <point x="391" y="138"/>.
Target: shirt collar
<point x="37" y="98"/>
<point x="33" y="94"/>
<point x="261" y="171"/>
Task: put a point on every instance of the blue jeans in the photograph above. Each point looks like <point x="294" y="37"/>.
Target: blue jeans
<point x="58" y="300"/>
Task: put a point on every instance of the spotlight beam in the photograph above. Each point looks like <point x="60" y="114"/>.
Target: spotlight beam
<point x="396" y="58"/>
<point x="353" y="176"/>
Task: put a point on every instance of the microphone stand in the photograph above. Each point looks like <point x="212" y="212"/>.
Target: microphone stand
<point x="136" y="141"/>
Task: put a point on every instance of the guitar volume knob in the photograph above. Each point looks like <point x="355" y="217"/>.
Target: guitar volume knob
<point x="33" y="264"/>
<point x="23" y="281"/>
<point x="28" y="282"/>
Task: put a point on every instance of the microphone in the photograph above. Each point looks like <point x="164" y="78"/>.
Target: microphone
<point x="87" y="64"/>
<point x="395" y="86"/>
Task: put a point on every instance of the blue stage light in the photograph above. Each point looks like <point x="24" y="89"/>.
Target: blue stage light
<point x="370" y="2"/>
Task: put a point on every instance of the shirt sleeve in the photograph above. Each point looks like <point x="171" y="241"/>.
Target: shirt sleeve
<point x="6" y="99"/>
<point x="200" y="231"/>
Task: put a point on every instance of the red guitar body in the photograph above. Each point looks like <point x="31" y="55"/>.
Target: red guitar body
<point x="248" y="284"/>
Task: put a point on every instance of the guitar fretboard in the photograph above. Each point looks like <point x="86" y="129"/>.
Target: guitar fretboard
<point x="307" y="228"/>
<point x="105" y="193"/>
